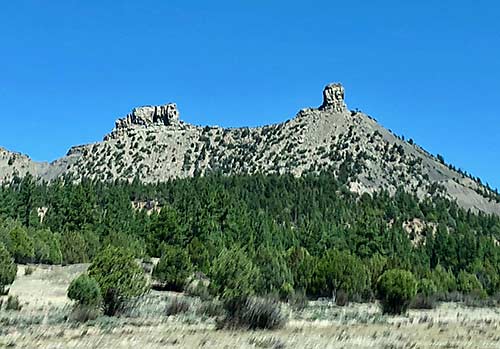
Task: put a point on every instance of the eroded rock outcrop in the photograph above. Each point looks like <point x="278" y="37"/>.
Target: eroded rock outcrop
<point x="150" y="115"/>
<point x="333" y="98"/>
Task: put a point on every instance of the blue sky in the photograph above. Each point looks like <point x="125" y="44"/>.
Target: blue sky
<point x="429" y="70"/>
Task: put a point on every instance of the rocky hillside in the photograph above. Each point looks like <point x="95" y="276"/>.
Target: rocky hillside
<point x="153" y="144"/>
<point x="12" y="163"/>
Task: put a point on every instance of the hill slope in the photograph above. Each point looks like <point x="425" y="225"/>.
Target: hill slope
<point x="151" y="143"/>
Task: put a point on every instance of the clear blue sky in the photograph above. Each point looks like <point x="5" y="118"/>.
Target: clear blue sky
<point x="429" y="70"/>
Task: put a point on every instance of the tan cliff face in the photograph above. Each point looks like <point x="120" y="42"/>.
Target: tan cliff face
<point x="153" y="144"/>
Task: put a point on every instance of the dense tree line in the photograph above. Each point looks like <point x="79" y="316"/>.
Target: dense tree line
<point x="267" y="234"/>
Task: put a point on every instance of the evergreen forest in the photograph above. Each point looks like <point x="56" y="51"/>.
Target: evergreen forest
<point x="268" y="234"/>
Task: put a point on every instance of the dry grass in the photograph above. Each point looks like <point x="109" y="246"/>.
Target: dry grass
<point x="43" y="323"/>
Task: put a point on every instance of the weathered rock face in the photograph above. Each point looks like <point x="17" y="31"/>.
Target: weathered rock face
<point x="163" y="115"/>
<point x="333" y="98"/>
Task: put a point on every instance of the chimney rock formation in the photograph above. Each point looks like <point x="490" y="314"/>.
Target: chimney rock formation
<point x="333" y="98"/>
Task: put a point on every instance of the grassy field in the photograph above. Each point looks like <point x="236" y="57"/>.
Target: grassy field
<point x="45" y="322"/>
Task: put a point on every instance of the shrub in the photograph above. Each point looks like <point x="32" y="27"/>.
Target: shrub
<point x="426" y="287"/>
<point x="341" y="298"/>
<point x="197" y="286"/>
<point x="177" y="305"/>
<point x="426" y="295"/>
<point x="276" y="277"/>
<point x="13" y="304"/>
<point x="84" y="313"/>
<point x="256" y="313"/>
<point x="211" y="308"/>
<point x="233" y="275"/>
<point x="376" y="265"/>
<point x="119" y="277"/>
<point x="173" y="268"/>
<point x="487" y="275"/>
<point x="47" y="247"/>
<point x="479" y="299"/>
<point x="443" y="280"/>
<point x="468" y="283"/>
<point x="396" y="289"/>
<point x="199" y="256"/>
<point x="266" y="342"/>
<point x="302" y="266"/>
<point x="73" y="248"/>
<point x="422" y="302"/>
<point x="21" y="245"/>
<point x="8" y="269"/>
<point x="29" y="270"/>
<point x="147" y="265"/>
<point x="298" y="300"/>
<point x="166" y="227"/>
<point x="85" y="290"/>
<point x="342" y="271"/>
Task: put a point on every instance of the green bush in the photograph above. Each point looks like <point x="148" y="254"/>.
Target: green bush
<point x="199" y="256"/>
<point x="396" y="289"/>
<point x="73" y="247"/>
<point x="488" y="276"/>
<point x="120" y="278"/>
<point x="233" y="275"/>
<point x="8" y="269"/>
<point x="13" y="304"/>
<point x="47" y="247"/>
<point x="117" y="239"/>
<point x="468" y="283"/>
<point x="85" y="291"/>
<point x="233" y="280"/>
<point x="341" y="271"/>
<point x="173" y="268"/>
<point x="165" y="227"/>
<point x="377" y="265"/>
<point x="427" y="287"/>
<point x="426" y="295"/>
<point x="21" y="245"/>
<point x="444" y="280"/>
<point x="302" y="266"/>
<point x="276" y="277"/>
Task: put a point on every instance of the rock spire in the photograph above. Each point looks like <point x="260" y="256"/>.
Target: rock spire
<point x="333" y="98"/>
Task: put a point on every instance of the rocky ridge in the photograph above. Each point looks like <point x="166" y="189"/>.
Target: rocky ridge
<point x="153" y="144"/>
<point x="13" y="163"/>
